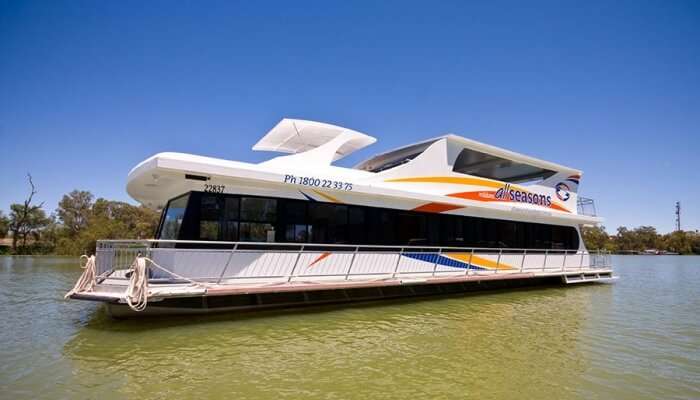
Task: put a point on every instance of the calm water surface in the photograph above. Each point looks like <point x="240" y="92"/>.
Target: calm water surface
<point x="636" y="339"/>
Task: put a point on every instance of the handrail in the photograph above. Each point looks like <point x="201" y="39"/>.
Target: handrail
<point x="289" y="261"/>
<point x="349" y="246"/>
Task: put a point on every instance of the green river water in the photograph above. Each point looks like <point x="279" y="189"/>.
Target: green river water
<point x="636" y="339"/>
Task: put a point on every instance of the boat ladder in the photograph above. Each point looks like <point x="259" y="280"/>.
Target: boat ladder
<point x="585" y="277"/>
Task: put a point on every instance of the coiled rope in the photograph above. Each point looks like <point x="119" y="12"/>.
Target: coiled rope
<point x="88" y="279"/>
<point x="136" y="295"/>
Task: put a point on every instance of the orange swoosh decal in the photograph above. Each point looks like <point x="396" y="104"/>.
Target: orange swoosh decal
<point x="327" y="196"/>
<point x="319" y="259"/>
<point x="436" y="207"/>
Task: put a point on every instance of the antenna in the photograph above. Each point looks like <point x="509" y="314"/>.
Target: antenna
<point x="678" y="215"/>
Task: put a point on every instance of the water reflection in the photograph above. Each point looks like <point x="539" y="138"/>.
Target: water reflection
<point x="636" y="339"/>
<point x="496" y="343"/>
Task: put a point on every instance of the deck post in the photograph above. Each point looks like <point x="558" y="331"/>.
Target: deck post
<point x="469" y="266"/>
<point x="583" y="254"/>
<point x="498" y="260"/>
<point x="522" y="263"/>
<point x="398" y="260"/>
<point x="291" y="274"/>
<point x="544" y="264"/>
<point x="352" y="261"/>
<point x="563" y="264"/>
<point x="436" y="260"/>
<point x="230" y="256"/>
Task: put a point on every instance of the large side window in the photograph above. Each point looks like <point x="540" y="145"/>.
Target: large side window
<point x="296" y="228"/>
<point x="357" y="228"/>
<point x="231" y="216"/>
<point x="258" y="216"/>
<point x="214" y="217"/>
<point x="476" y="163"/>
<point x="411" y="229"/>
<point x="328" y="223"/>
<point x="172" y="220"/>
<point x="210" y="217"/>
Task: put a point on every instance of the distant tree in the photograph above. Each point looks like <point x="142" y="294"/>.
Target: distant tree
<point x="625" y="240"/>
<point x="26" y="220"/>
<point x="4" y="225"/>
<point x="596" y="238"/>
<point x="74" y="210"/>
<point x="647" y="237"/>
<point x="110" y="220"/>
<point x="694" y="242"/>
<point x="678" y="241"/>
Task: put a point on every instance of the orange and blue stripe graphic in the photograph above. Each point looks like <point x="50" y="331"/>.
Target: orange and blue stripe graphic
<point x="459" y="260"/>
<point x="454" y="260"/>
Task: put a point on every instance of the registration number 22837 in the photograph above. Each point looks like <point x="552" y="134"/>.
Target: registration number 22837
<point x="214" y="188"/>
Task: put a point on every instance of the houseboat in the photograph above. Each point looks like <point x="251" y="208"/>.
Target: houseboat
<point x="446" y="215"/>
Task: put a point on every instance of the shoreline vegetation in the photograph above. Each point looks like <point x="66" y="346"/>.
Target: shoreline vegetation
<point x="80" y="220"/>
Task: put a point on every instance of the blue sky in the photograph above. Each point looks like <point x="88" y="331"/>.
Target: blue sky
<point x="89" y="89"/>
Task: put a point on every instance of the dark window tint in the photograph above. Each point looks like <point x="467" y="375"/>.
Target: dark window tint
<point x="258" y="209"/>
<point x="173" y="217"/>
<point x="328" y="222"/>
<point x="210" y="217"/>
<point x="255" y="231"/>
<point x="231" y="217"/>
<point x="297" y="233"/>
<point x="295" y="211"/>
<point x="476" y="163"/>
<point x="411" y="229"/>
<point x="206" y="216"/>
<point x="357" y="231"/>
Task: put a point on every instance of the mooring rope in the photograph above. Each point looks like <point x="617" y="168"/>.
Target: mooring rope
<point x="136" y="295"/>
<point x="88" y="279"/>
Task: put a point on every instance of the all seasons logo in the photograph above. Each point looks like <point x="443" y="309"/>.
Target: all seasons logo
<point x="507" y="193"/>
<point x="562" y="191"/>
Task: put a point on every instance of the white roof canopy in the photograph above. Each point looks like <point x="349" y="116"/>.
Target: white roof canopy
<point x="298" y="136"/>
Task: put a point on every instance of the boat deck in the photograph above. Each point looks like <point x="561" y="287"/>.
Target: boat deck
<point x="234" y="295"/>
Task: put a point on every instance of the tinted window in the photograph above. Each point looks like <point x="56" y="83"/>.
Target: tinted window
<point x="231" y="216"/>
<point x="297" y="233"/>
<point x="411" y="229"/>
<point x="172" y="220"/>
<point x="476" y="163"/>
<point x="258" y="209"/>
<point x="206" y="216"/>
<point x="357" y="231"/>
<point x="255" y="231"/>
<point x="209" y="217"/>
<point x="328" y="223"/>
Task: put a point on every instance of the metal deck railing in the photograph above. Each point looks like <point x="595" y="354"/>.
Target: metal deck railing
<point x="230" y="262"/>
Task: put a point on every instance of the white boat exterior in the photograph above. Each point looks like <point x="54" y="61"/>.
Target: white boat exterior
<point x="447" y="175"/>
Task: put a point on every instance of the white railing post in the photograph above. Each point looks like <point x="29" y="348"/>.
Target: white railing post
<point x="498" y="260"/>
<point x="583" y="254"/>
<point x="469" y="266"/>
<point x="563" y="264"/>
<point x="230" y="256"/>
<point x="352" y="261"/>
<point x="291" y="274"/>
<point x="398" y="260"/>
<point x="522" y="263"/>
<point x="544" y="264"/>
<point x="436" y="260"/>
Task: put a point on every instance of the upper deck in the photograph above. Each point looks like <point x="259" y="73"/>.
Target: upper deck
<point x="447" y="174"/>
